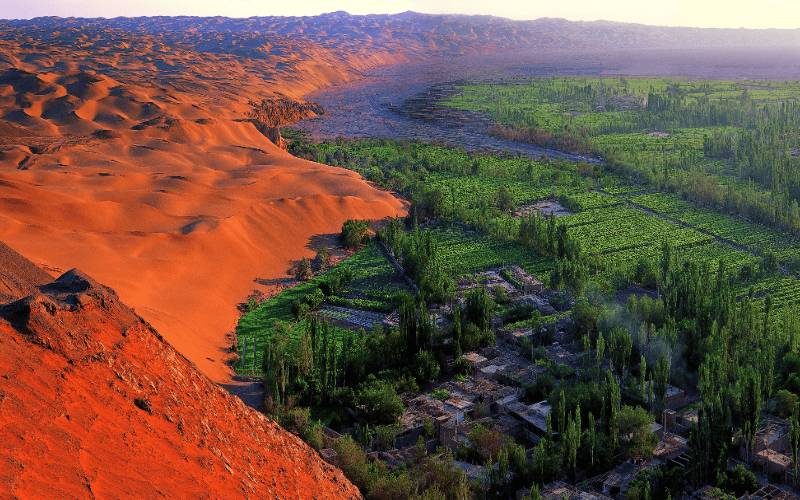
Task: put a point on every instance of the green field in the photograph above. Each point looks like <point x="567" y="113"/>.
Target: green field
<point x="373" y="287"/>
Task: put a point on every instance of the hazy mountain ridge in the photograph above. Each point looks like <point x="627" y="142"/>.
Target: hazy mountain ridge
<point x="410" y="33"/>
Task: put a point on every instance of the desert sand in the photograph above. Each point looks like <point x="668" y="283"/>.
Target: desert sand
<point x="158" y="186"/>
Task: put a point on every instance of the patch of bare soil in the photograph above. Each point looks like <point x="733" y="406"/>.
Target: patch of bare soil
<point x="546" y="207"/>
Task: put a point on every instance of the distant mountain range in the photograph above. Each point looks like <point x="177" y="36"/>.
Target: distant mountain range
<point x="410" y="33"/>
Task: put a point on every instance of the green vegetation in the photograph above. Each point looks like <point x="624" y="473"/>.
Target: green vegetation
<point x="729" y="144"/>
<point x="716" y="313"/>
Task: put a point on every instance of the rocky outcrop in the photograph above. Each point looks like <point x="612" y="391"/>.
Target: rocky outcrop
<point x="274" y="135"/>
<point x="271" y="113"/>
<point x="95" y="404"/>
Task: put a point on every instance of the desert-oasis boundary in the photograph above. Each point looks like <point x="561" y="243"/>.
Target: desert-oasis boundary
<point x="465" y="257"/>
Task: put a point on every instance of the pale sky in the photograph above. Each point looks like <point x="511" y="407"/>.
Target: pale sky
<point x="695" y="13"/>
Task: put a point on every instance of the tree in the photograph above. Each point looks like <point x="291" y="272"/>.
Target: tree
<point x="457" y="332"/>
<point x="380" y="402"/>
<point x="303" y="270"/>
<point x="620" y="345"/>
<point x="709" y="440"/>
<point x="572" y="441"/>
<point x="480" y="308"/>
<point x="601" y="345"/>
<point x="505" y="199"/>
<point x="661" y="382"/>
<point x="642" y="374"/>
<point x="408" y="324"/>
<point x="592" y="434"/>
<point x="634" y="428"/>
<point x="426" y="367"/>
<point x="794" y="438"/>
<point x="353" y="233"/>
<point x="611" y="410"/>
<point x="545" y="461"/>
<point x="666" y="259"/>
<point x="275" y="362"/>
<point x="751" y="401"/>
<point x="741" y="481"/>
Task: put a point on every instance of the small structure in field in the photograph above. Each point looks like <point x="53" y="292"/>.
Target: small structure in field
<point x="529" y="283"/>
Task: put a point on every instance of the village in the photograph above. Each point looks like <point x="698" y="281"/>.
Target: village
<point x="497" y="394"/>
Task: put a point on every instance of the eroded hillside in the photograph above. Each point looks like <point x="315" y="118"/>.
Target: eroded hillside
<point x="95" y="404"/>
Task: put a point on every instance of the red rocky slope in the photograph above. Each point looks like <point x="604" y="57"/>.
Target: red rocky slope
<point x="95" y="404"/>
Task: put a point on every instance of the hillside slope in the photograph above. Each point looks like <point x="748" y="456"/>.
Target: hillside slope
<point x="95" y="404"/>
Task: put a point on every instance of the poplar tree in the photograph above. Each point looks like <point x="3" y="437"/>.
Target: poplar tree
<point x="642" y="373"/>
<point x="611" y="410"/>
<point x="601" y="347"/>
<point x="590" y="431"/>
<point x="751" y="401"/>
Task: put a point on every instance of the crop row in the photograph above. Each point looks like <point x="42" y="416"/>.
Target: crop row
<point x="729" y="227"/>
<point x="464" y="252"/>
<point x="627" y="228"/>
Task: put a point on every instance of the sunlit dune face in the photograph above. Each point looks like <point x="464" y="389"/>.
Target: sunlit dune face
<point x="138" y="166"/>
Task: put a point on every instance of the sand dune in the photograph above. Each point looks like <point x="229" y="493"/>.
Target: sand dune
<point x="160" y="188"/>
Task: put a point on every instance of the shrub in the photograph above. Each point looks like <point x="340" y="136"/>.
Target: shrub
<point x="315" y="298"/>
<point x="440" y="394"/>
<point x="427" y="427"/>
<point x="470" y="336"/>
<point x="785" y="403"/>
<point x="299" y="309"/>
<point x="741" y="481"/>
<point x="323" y="258"/>
<point x="646" y="273"/>
<point x="314" y="437"/>
<point x="303" y="270"/>
<point x="380" y="403"/>
<point x="461" y="367"/>
<point x="353" y="462"/>
<point x="500" y="294"/>
<point x="353" y="233"/>
<point x="426" y="367"/>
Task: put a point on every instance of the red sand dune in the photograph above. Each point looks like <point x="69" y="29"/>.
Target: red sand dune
<point x="95" y="404"/>
<point x="152" y="180"/>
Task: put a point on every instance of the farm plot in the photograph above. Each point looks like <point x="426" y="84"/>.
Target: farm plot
<point x="731" y="228"/>
<point x="591" y="200"/>
<point x="476" y="190"/>
<point x="464" y="252"/>
<point x="373" y="286"/>
<point x="375" y="282"/>
<point x="356" y="317"/>
<point x="625" y="228"/>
